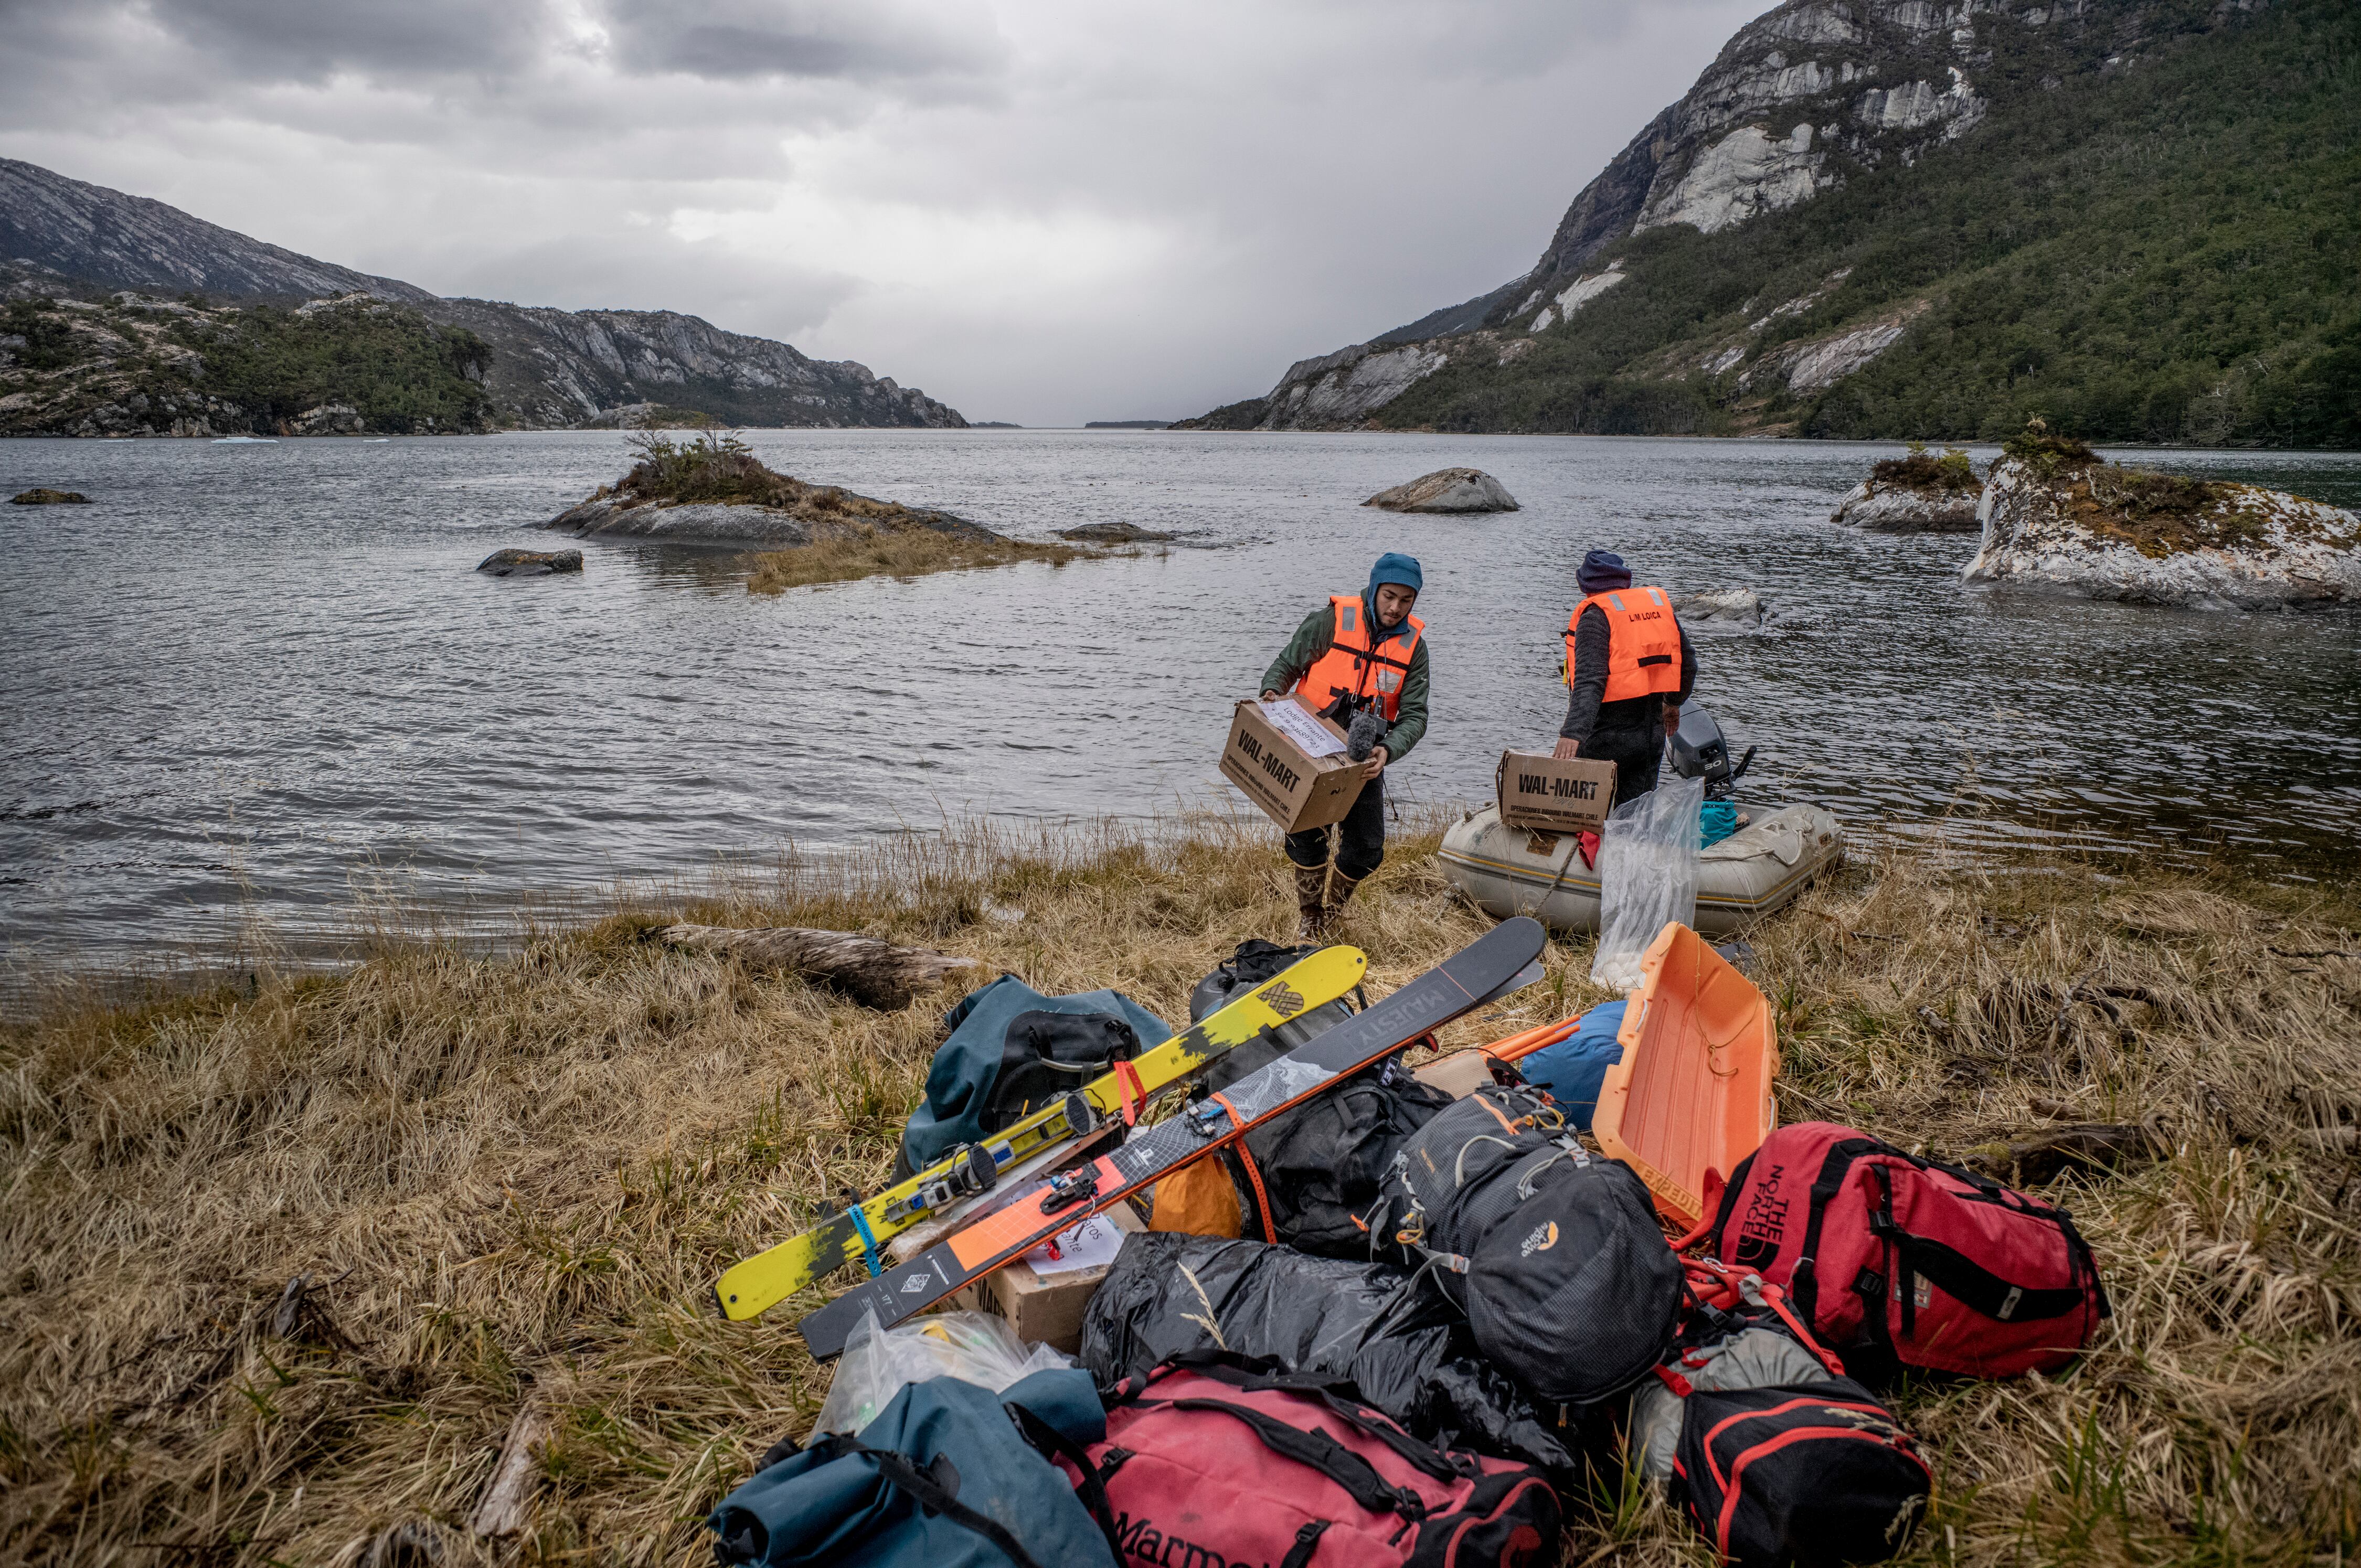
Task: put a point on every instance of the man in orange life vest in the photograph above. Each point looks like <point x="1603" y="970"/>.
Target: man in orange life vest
<point x="1630" y="667"/>
<point x="1351" y="656"/>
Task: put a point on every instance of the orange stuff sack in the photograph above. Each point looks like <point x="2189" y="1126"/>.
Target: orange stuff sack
<point x="1198" y="1200"/>
<point x="1692" y="1096"/>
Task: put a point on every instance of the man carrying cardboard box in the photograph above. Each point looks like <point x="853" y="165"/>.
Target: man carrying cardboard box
<point x="1358" y="655"/>
<point x="1630" y="665"/>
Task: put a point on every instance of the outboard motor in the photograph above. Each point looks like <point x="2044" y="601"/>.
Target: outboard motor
<point x="1700" y="753"/>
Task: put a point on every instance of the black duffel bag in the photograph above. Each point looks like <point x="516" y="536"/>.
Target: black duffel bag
<point x="1313" y="1178"/>
<point x="1554" y="1254"/>
<point x="1370" y="1324"/>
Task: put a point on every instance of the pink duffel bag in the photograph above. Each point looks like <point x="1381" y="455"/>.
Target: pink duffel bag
<point x="1216" y="1459"/>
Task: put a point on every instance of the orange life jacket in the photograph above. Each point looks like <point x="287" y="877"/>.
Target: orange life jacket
<point x="1643" y="647"/>
<point x="1354" y="669"/>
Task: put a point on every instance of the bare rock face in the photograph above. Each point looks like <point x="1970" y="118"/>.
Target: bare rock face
<point x="2098" y="531"/>
<point x="1454" y="490"/>
<point x="531" y="563"/>
<point x="45" y="497"/>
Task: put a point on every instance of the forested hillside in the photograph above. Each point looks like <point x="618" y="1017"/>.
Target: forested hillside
<point x="2141" y="223"/>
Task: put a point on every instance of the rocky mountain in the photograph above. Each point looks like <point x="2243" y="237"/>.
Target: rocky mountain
<point x="122" y="275"/>
<point x="1931" y="218"/>
<point x="60" y="229"/>
<point x="552" y="369"/>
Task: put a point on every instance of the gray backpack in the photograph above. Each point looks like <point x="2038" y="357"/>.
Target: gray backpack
<point x="1554" y="1252"/>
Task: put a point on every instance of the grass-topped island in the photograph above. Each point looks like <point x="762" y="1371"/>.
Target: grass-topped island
<point x="713" y="491"/>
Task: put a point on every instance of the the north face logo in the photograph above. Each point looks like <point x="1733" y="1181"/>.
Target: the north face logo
<point x="1763" y="1223"/>
<point x="1281" y="1000"/>
<point x="1545" y="1237"/>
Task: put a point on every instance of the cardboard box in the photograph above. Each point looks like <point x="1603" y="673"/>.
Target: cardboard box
<point x="1459" y="1075"/>
<point x="1294" y="790"/>
<point x="1539" y="791"/>
<point x="1049" y="1310"/>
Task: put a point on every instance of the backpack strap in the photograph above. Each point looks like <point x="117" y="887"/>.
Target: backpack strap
<point x="1052" y="1444"/>
<point x="932" y="1492"/>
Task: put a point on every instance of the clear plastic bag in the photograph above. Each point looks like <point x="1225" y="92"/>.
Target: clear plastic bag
<point x="1647" y="876"/>
<point x="879" y="1363"/>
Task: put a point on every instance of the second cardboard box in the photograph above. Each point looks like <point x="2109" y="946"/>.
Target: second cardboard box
<point x="1554" y="795"/>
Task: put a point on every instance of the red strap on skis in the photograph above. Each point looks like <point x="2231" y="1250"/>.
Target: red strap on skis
<point x="1130" y="1090"/>
<point x="1254" y="1175"/>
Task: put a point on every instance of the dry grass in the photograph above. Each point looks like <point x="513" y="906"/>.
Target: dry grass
<point x="521" y="1174"/>
<point x="913" y="552"/>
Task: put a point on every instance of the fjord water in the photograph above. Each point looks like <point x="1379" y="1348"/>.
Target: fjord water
<point x="248" y="681"/>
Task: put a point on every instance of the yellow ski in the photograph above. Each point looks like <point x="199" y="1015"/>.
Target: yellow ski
<point x="772" y="1276"/>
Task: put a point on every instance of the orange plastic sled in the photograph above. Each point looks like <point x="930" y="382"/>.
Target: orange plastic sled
<point x="1692" y="1096"/>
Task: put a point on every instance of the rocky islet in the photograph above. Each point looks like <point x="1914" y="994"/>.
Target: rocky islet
<point x="1916" y="494"/>
<point x="2056" y="517"/>
<point x="714" y="492"/>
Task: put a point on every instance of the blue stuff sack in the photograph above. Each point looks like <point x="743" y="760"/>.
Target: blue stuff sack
<point x="949" y="1475"/>
<point x="1573" y="1070"/>
<point x="1009" y="1045"/>
<point x="1717" y="820"/>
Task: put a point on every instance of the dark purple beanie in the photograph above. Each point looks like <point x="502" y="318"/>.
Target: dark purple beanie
<point x="1602" y="570"/>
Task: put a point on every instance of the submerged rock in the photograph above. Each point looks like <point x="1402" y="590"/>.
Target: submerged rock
<point x="1113" y="533"/>
<point x="1447" y="490"/>
<point x="48" y="498"/>
<point x="2056" y="517"/>
<point x="530" y="563"/>
<point x="1742" y="606"/>
<point x="1918" y="494"/>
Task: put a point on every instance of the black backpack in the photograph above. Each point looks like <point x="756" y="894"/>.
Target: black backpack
<point x="1046" y="1056"/>
<point x="1314" y="1176"/>
<point x="1809" y="1474"/>
<point x="1255" y="961"/>
<point x="1554" y="1254"/>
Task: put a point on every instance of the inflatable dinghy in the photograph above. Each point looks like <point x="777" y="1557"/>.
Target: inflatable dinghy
<point x="1508" y="870"/>
<point x="1505" y="871"/>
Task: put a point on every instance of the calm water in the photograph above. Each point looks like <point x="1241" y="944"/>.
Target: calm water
<point x="251" y="678"/>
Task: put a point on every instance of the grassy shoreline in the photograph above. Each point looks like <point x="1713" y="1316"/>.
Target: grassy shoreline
<point x="513" y="1176"/>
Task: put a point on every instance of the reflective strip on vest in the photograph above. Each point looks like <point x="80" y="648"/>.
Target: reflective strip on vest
<point x="1644" y="644"/>
<point x="1351" y="670"/>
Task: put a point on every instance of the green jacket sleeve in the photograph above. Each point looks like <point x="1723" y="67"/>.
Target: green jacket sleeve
<point x="1410" y="721"/>
<point x="1314" y="638"/>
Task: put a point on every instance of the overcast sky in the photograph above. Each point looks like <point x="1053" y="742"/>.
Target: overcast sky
<point x="1044" y="210"/>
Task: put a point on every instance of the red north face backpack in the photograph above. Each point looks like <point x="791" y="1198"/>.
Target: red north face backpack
<point x="1213" y="1458"/>
<point x="1898" y="1261"/>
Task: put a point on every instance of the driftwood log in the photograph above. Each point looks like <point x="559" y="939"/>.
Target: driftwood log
<point x="2032" y="1158"/>
<point x="506" y="1505"/>
<point x="871" y="971"/>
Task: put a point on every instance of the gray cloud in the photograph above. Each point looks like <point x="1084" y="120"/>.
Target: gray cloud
<point x="1034" y="209"/>
<point x="878" y="39"/>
